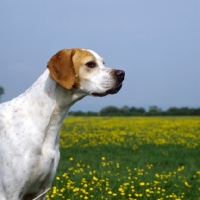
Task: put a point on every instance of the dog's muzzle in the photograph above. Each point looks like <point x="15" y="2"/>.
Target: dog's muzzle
<point x="119" y="74"/>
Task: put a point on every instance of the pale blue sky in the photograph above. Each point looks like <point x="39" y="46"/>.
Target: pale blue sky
<point x="156" y="42"/>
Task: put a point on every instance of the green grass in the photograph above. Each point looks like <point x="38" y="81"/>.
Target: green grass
<point x="165" y="160"/>
<point x="129" y="170"/>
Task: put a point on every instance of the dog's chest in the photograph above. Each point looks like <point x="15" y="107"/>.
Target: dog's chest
<point x="43" y="169"/>
<point x="47" y="162"/>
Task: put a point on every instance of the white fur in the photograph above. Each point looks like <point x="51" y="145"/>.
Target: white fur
<point x="29" y="131"/>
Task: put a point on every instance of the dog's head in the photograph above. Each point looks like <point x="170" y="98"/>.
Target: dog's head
<point x="84" y="70"/>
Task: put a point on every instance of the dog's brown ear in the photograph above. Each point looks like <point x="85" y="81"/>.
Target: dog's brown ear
<point x="62" y="69"/>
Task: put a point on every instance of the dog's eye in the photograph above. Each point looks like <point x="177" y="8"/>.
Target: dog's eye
<point x="91" y="64"/>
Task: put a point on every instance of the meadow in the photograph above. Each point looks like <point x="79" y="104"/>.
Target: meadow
<point x="118" y="158"/>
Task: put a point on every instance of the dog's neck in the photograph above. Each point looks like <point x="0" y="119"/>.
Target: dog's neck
<point x="48" y="104"/>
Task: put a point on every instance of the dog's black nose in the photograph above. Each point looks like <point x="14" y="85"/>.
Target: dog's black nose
<point x="120" y="75"/>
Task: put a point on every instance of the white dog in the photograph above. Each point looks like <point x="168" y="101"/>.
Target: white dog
<point x="30" y="123"/>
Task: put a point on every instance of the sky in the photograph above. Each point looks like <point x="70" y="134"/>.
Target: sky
<point x="156" y="43"/>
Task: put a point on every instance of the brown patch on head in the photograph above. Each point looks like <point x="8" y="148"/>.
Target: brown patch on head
<point x="80" y="58"/>
<point x="65" y="65"/>
<point x="62" y="69"/>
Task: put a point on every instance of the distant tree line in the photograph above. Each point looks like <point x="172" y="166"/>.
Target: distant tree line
<point x="1" y="92"/>
<point x="133" y="111"/>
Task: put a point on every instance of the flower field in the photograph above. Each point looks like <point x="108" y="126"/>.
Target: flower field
<point x="128" y="158"/>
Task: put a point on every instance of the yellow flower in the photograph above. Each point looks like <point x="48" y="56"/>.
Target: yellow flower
<point x="109" y="192"/>
<point x="95" y="178"/>
<point x="187" y="184"/>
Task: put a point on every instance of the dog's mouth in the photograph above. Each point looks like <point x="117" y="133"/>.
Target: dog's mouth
<point x="119" y="75"/>
<point x="111" y="91"/>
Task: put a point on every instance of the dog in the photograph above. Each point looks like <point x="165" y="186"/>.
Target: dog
<point x="30" y="123"/>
